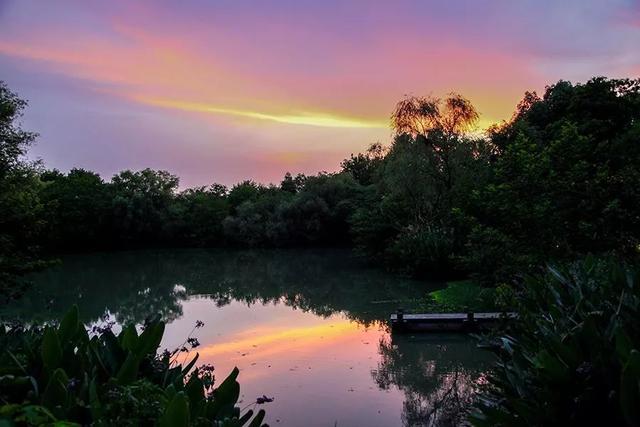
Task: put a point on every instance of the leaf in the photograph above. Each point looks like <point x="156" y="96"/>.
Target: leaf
<point x="94" y="400"/>
<point x="187" y="368"/>
<point x="245" y="418"/>
<point x="623" y="345"/>
<point x="177" y="412"/>
<point x="225" y="397"/>
<point x="257" y="421"/>
<point x="69" y="325"/>
<point x="51" y="349"/>
<point x="195" y="390"/>
<point x="149" y="340"/>
<point x="55" y="394"/>
<point x="113" y="354"/>
<point x="630" y="389"/>
<point x="129" y="338"/>
<point x="129" y="370"/>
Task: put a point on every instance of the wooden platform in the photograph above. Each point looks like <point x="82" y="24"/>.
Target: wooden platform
<point x="446" y="322"/>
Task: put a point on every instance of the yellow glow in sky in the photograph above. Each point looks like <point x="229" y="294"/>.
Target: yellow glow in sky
<point x="303" y="118"/>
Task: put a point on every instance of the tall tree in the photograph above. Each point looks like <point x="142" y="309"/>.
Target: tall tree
<point x="19" y="203"/>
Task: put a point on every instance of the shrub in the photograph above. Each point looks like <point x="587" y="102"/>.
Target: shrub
<point x="573" y="357"/>
<point x="62" y="375"/>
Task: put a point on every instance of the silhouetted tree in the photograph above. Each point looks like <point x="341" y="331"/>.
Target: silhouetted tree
<point x="20" y="207"/>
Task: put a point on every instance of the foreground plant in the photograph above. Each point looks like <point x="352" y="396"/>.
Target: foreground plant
<point x="60" y="375"/>
<point x="573" y="358"/>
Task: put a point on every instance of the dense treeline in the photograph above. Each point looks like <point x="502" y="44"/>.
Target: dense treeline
<point x="558" y="180"/>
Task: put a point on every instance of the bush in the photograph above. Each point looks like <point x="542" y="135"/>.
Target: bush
<point x="573" y="357"/>
<point x="423" y="251"/>
<point x="62" y="375"/>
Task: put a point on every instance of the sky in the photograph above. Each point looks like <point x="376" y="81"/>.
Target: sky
<point x="222" y="91"/>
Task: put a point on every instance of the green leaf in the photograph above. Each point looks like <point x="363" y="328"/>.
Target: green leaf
<point x="55" y="394"/>
<point x="113" y="354"/>
<point x="150" y="339"/>
<point x="195" y="392"/>
<point x="51" y="349"/>
<point x="257" y="421"/>
<point x="69" y="325"/>
<point x="245" y="418"/>
<point x="129" y="370"/>
<point x="94" y="400"/>
<point x="187" y="368"/>
<point x="129" y="338"/>
<point x="623" y="345"/>
<point x="630" y="389"/>
<point x="177" y="412"/>
<point x="225" y="397"/>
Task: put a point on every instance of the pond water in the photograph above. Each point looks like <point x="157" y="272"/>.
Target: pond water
<point x="307" y="328"/>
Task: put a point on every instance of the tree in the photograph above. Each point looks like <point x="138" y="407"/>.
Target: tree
<point x="140" y="206"/>
<point x="198" y="214"/>
<point x="413" y="220"/>
<point x="566" y="181"/>
<point x="419" y="115"/>
<point x="77" y="207"/>
<point x="291" y="184"/>
<point x="19" y="203"/>
<point x="364" y="166"/>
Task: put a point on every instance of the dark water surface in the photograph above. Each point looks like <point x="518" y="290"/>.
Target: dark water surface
<point x="305" y="327"/>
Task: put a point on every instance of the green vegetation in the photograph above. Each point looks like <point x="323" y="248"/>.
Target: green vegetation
<point x="63" y="376"/>
<point x="573" y="357"/>
<point x="20" y="206"/>
<point x="557" y="182"/>
<point x="462" y="296"/>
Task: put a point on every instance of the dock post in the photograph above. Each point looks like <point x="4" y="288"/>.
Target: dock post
<point x="399" y="325"/>
<point x="470" y="321"/>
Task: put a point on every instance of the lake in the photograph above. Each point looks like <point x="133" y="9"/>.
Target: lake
<point x="306" y="327"/>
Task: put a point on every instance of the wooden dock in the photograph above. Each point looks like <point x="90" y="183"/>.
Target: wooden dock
<point x="446" y="322"/>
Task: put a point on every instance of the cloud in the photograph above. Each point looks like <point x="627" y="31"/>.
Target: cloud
<point x="304" y="118"/>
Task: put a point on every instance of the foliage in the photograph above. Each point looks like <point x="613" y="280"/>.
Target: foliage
<point x="65" y="376"/>
<point x="412" y="221"/>
<point x="75" y="208"/>
<point x="559" y="180"/>
<point x="140" y="204"/>
<point x="20" y="207"/>
<point x="565" y="181"/>
<point x="364" y="166"/>
<point x="462" y="296"/>
<point x="573" y="357"/>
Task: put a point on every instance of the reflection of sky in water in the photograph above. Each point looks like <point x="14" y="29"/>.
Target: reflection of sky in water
<point x="318" y="370"/>
<point x="292" y="321"/>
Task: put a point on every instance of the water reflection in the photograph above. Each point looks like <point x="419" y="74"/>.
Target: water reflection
<point x="438" y="375"/>
<point x="306" y="327"/>
<point x="133" y="285"/>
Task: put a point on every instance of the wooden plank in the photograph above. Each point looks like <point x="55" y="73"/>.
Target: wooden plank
<point x="446" y="322"/>
<point x="426" y="317"/>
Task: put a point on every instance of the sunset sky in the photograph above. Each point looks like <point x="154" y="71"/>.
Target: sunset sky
<point x="220" y="91"/>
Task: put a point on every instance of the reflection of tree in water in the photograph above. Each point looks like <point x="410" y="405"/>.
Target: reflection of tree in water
<point x="133" y="285"/>
<point x="437" y="374"/>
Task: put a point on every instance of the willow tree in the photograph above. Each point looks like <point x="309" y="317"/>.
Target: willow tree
<point x="425" y="180"/>
<point x="424" y="115"/>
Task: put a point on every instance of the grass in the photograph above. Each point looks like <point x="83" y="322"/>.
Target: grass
<point x="460" y="296"/>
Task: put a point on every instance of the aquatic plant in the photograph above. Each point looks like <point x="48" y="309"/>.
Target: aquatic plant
<point x="60" y="374"/>
<point x="573" y="357"/>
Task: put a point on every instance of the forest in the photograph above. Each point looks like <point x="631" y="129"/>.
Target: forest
<point x="543" y="207"/>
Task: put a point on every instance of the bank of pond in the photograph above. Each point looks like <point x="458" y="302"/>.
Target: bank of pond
<point x="304" y="335"/>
